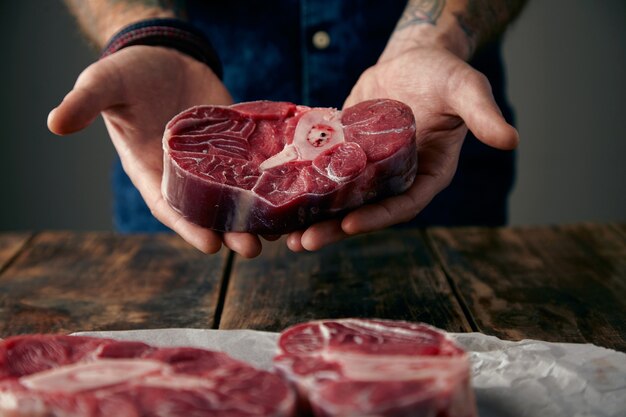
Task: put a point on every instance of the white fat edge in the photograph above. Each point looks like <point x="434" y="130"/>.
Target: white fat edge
<point x="330" y="174"/>
<point x="8" y="403"/>
<point x="410" y="333"/>
<point x="385" y="326"/>
<point x="165" y="180"/>
<point x="90" y="375"/>
<point x="176" y="381"/>
<point x="390" y="329"/>
<point x="308" y="382"/>
<point x="325" y="332"/>
<point x="167" y="160"/>
<point x="385" y="132"/>
<point x="351" y="323"/>
<point x="245" y="202"/>
<point x="12" y="405"/>
<point x="244" y="205"/>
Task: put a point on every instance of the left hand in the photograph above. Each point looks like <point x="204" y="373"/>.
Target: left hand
<point x="138" y="90"/>
<point x="447" y="97"/>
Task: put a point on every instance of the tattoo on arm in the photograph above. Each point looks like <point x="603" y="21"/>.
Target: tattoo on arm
<point x="482" y="20"/>
<point x="421" y="11"/>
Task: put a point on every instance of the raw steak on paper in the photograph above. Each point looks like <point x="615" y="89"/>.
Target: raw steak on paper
<point x="275" y="167"/>
<point x="72" y="376"/>
<point x="358" y="368"/>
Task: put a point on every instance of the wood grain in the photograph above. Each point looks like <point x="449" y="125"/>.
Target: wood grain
<point x="564" y="283"/>
<point x="66" y="282"/>
<point x="10" y="246"/>
<point x="387" y="275"/>
<point x="621" y="228"/>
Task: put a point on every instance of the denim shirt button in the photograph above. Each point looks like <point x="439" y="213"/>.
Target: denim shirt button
<point x="321" y="39"/>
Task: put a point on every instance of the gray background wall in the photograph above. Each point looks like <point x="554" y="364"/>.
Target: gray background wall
<point x="566" y="62"/>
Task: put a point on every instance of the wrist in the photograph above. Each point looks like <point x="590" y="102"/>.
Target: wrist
<point x="169" y="33"/>
<point x="117" y="22"/>
<point x="446" y="34"/>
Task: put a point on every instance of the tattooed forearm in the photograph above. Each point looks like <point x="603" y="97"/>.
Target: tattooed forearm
<point x="421" y="11"/>
<point x="100" y="19"/>
<point x="483" y="20"/>
<point x="461" y="26"/>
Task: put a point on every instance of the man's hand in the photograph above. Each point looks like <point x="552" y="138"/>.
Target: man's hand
<point x="447" y="97"/>
<point x="138" y="90"/>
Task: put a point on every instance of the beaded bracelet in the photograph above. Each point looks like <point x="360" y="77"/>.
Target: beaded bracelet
<point x="171" y="33"/>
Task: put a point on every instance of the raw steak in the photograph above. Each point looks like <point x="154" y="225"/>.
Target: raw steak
<point x="59" y="376"/>
<point x="354" y="367"/>
<point x="275" y="167"/>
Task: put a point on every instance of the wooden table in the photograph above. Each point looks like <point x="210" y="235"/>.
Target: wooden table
<point x="564" y="283"/>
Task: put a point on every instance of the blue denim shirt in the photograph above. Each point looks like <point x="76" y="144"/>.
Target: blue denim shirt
<point x="269" y="53"/>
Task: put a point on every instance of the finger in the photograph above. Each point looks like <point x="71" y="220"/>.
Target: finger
<point x="148" y="183"/>
<point x="471" y="98"/>
<point x="294" y="241"/>
<point x="394" y="210"/>
<point x="350" y="101"/>
<point x="205" y="240"/>
<point x="96" y="89"/>
<point x="245" y="244"/>
<point x="322" y="234"/>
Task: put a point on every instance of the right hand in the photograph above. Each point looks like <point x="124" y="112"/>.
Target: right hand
<point x="447" y="97"/>
<point x="138" y="90"/>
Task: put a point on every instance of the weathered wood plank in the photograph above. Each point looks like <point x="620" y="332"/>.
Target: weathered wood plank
<point x="66" y="282"/>
<point x="10" y="245"/>
<point x="387" y="275"/>
<point x="563" y="283"/>
<point x="621" y="228"/>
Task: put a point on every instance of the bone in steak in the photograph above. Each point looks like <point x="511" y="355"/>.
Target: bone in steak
<point x="274" y="167"/>
<point x="71" y="376"/>
<point x="353" y="367"/>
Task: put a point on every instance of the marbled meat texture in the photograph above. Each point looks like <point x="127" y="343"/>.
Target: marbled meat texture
<point x="72" y="376"/>
<point x="357" y="368"/>
<point x="275" y="167"/>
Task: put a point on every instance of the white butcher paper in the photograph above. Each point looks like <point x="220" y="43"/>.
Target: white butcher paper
<point x="529" y="378"/>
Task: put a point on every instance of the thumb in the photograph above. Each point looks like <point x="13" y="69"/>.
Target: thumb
<point x="473" y="101"/>
<point x="97" y="88"/>
<point x="350" y="101"/>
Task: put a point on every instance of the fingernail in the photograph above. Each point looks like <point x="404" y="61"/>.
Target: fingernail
<point x="50" y="116"/>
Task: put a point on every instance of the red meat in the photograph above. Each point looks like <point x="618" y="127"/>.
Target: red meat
<point x="274" y="167"/>
<point x="358" y="368"/>
<point x="70" y="376"/>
